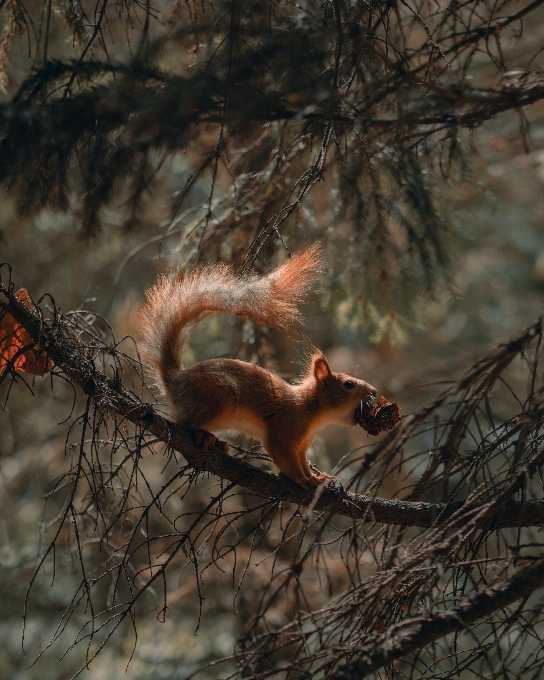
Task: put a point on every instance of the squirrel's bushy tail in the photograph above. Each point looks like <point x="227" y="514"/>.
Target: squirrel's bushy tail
<point x="175" y="306"/>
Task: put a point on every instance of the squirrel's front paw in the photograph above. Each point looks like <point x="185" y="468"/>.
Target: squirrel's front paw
<point x="318" y="479"/>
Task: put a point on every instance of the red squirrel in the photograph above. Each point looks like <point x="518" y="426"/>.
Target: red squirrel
<point x="218" y="395"/>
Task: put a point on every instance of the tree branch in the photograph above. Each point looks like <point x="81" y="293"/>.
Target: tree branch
<point x="413" y="634"/>
<point x="72" y="357"/>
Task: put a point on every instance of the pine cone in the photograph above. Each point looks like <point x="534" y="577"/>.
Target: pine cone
<point x="376" y="419"/>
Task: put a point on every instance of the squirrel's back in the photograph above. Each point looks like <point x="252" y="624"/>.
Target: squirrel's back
<point x="175" y="305"/>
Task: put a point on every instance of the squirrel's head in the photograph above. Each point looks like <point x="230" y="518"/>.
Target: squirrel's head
<point x="340" y="393"/>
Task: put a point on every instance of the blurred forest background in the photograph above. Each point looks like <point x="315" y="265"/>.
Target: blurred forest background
<point x="409" y="321"/>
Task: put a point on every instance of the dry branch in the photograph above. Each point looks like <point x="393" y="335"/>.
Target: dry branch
<point x="72" y="357"/>
<point x="413" y="634"/>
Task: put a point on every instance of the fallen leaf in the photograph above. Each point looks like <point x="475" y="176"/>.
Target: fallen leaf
<point x="13" y="338"/>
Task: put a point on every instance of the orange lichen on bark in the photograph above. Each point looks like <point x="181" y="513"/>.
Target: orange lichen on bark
<point x="13" y="338"/>
<point x="377" y="419"/>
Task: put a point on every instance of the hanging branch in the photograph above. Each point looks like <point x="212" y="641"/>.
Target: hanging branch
<point x="413" y="634"/>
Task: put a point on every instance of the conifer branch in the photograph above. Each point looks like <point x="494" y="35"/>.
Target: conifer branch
<point x="71" y="357"/>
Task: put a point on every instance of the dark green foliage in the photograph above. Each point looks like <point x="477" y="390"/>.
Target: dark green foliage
<point x="269" y="98"/>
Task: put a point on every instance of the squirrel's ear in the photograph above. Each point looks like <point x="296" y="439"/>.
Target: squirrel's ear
<point x="321" y="368"/>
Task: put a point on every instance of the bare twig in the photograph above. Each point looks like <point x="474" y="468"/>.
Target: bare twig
<point x="413" y="634"/>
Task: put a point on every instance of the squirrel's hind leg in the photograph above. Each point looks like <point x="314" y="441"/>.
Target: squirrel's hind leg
<point x="207" y="441"/>
<point x="197" y="410"/>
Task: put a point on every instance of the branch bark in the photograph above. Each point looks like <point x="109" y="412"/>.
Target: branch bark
<point x="413" y="634"/>
<point x="71" y="357"/>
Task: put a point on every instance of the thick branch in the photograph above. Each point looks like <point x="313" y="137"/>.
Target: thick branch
<point x="71" y="356"/>
<point x="413" y="634"/>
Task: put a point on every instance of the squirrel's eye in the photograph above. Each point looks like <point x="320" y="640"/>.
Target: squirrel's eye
<point x="349" y="385"/>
